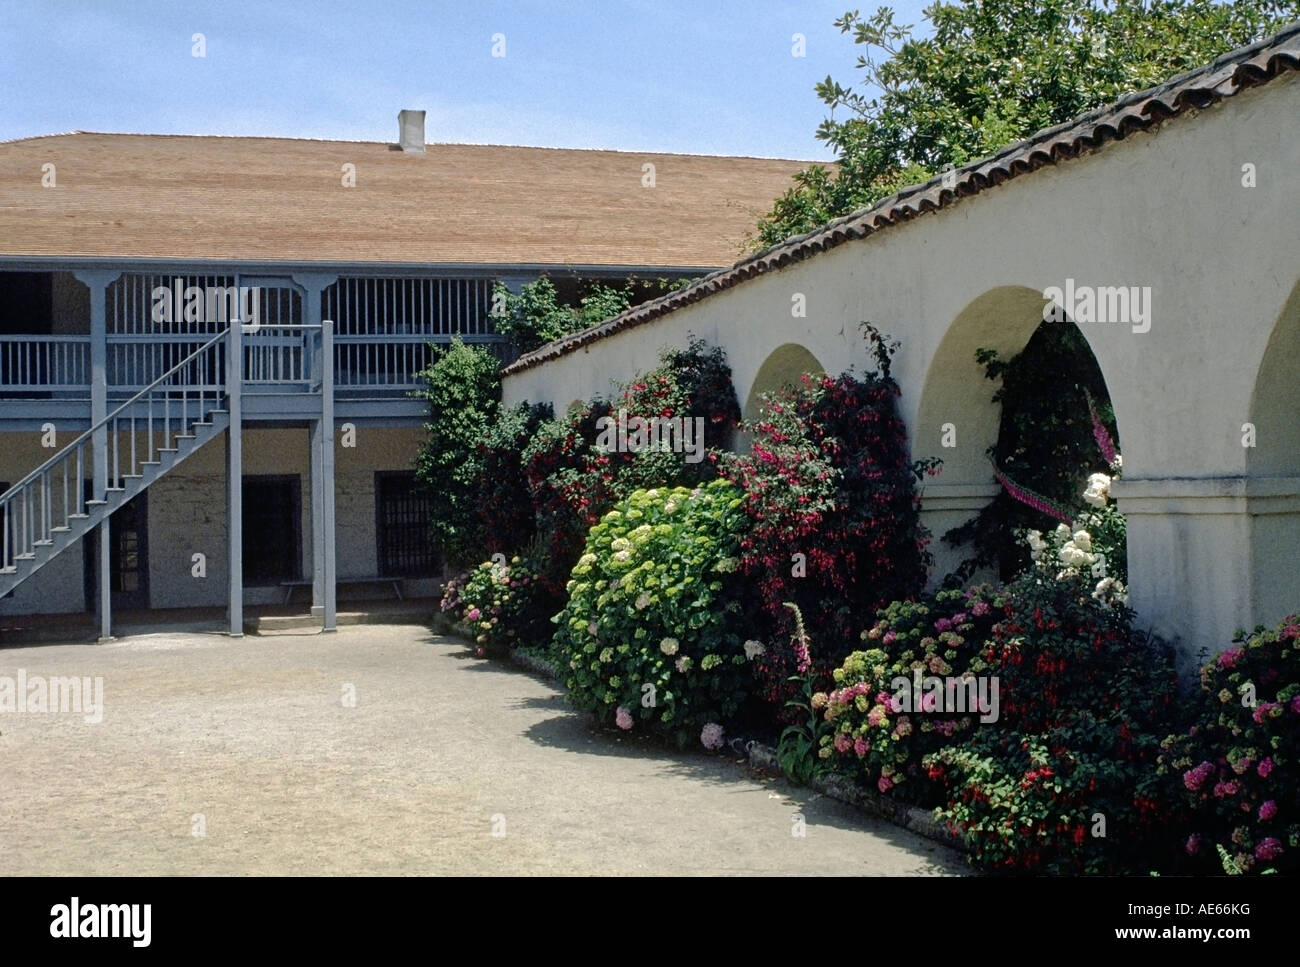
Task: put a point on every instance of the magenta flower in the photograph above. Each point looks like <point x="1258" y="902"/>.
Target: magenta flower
<point x="1193" y="844"/>
<point x="1267" y="809"/>
<point x="861" y="747"/>
<point x="1265" y="767"/>
<point x="1269" y="848"/>
<point x="474" y="614"/>
<point x="884" y="784"/>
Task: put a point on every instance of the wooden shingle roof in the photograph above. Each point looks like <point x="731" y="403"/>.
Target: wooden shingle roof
<point x="273" y="199"/>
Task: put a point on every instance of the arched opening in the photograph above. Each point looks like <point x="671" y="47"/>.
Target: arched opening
<point x="783" y="367"/>
<point x="1007" y="385"/>
<point x="1272" y="441"/>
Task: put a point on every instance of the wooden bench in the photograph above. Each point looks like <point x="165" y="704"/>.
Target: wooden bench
<point x="394" y="583"/>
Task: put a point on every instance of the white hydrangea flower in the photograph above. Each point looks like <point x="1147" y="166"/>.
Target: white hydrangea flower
<point x="754" y="648"/>
<point x="669" y="646"/>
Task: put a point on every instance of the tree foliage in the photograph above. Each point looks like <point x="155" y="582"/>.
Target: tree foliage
<point x="994" y="72"/>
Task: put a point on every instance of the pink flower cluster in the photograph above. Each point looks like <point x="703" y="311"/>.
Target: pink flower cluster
<point x="711" y="736"/>
<point x="1267" y="809"/>
<point x="1194" y="778"/>
<point x="1269" y="848"/>
<point x="623" y="718"/>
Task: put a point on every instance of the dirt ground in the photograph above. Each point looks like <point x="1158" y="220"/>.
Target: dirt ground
<point x="444" y="764"/>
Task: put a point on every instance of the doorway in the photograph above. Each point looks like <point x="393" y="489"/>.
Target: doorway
<point x="128" y="555"/>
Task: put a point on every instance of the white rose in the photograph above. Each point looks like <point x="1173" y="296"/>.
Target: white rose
<point x="1083" y="540"/>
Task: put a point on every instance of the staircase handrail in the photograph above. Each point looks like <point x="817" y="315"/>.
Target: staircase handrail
<point x="103" y="421"/>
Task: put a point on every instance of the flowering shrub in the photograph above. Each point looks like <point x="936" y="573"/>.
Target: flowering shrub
<point x="497" y="604"/>
<point x="1082" y="704"/>
<point x="507" y="521"/>
<point x="829" y="476"/>
<point x="651" y="631"/>
<point x="1046" y="441"/>
<point x="884" y="733"/>
<point x="1237" y="765"/>
<point x="573" y="482"/>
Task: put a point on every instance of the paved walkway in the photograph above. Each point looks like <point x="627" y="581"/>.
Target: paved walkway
<point x="252" y="739"/>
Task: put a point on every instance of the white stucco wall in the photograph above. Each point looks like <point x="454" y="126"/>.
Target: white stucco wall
<point x="1165" y="209"/>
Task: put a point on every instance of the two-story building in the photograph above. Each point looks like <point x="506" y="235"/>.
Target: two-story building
<point x="208" y="345"/>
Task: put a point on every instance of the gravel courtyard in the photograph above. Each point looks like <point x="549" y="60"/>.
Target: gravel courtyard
<point x="253" y="743"/>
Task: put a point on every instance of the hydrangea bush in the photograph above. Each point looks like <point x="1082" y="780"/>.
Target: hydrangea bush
<point x="876" y="733"/>
<point x="1237" y="765"/>
<point x="652" y="635"/>
<point x="497" y="604"/>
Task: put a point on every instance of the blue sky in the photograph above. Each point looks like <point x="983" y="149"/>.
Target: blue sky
<point x="706" y="77"/>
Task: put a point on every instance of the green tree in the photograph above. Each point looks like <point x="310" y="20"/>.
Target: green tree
<point x="994" y="72"/>
<point x="463" y="391"/>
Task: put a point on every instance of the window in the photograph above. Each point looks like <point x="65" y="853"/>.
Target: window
<point x="402" y="526"/>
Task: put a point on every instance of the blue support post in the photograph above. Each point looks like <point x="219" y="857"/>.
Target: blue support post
<point x="328" y="571"/>
<point x="98" y="283"/>
<point x="235" y="477"/>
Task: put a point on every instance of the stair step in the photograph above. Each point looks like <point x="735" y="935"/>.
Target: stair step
<point x="24" y="557"/>
<point x="115" y="490"/>
<point x="151" y="463"/>
<point x="8" y="570"/>
<point x="169" y="450"/>
<point x="186" y="436"/>
<point x="43" y="543"/>
<point x="132" y="476"/>
<point x="61" y="529"/>
<point x="78" y="517"/>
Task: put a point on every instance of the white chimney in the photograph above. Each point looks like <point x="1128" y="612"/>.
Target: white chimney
<point x="410" y="126"/>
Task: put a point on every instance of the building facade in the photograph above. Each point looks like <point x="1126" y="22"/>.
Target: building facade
<point x="209" y="346"/>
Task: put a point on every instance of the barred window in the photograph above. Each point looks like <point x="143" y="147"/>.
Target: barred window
<point x="402" y="526"/>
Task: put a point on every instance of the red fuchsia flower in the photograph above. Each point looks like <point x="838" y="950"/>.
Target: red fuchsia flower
<point x="1269" y="848"/>
<point x="1267" y="810"/>
<point x="1265" y="767"/>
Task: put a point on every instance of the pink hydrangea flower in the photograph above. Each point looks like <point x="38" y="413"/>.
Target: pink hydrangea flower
<point x="884" y="784"/>
<point x="980" y="609"/>
<point x="1193" y="844"/>
<point x="623" y="718"/>
<point x="861" y="747"/>
<point x="711" y="736"/>
<point x="474" y="614"/>
<point x="1269" y="848"/>
<point x="842" y="742"/>
<point x="1267" y="809"/>
<point x="1265" y="767"/>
